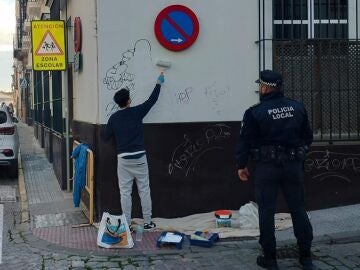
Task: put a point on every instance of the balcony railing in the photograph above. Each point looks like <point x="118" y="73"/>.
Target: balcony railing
<point x="17" y="53"/>
<point x="26" y="42"/>
<point x="44" y="9"/>
<point x="45" y="16"/>
<point x="27" y="25"/>
<point x="15" y="42"/>
<point x="33" y="8"/>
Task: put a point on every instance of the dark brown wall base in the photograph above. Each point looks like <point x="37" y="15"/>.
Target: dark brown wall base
<point x="48" y="146"/>
<point x="29" y="121"/>
<point x="192" y="170"/>
<point x="333" y="175"/>
<point x="39" y="133"/>
<point x="59" y="158"/>
<point x="55" y="151"/>
<point x="36" y="127"/>
<point x="86" y="133"/>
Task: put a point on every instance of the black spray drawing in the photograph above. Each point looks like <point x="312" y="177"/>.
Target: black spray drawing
<point x="119" y="76"/>
<point x="216" y="94"/>
<point x="187" y="154"/>
<point x="135" y="70"/>
<point x="326" y="164"/>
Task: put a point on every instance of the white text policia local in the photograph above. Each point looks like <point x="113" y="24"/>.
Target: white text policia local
<point x="280" y="113"/>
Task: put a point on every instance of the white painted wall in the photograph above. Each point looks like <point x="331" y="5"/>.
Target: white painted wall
<point x="266" y="35"/>
<point x="84" y="82"/>
<point x="217" y="72"/>
<point x="352" y="19"/>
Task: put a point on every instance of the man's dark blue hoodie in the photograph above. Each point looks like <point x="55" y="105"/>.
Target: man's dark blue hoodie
<point x="126" y="125"/>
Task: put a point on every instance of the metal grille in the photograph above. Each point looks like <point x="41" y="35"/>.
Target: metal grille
<point x="324" y="75"/>
<point x="316" y="47"/>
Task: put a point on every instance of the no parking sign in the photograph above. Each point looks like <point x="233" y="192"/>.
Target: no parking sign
<point x="176" y="27"/>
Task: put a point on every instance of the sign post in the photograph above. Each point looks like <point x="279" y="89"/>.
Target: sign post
<point x="49" y="54"/>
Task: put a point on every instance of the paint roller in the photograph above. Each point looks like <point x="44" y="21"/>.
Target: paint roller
<point x="163" y="64"/>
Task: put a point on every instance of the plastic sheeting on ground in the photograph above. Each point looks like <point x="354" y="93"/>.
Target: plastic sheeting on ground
<point x="207" y="222"/>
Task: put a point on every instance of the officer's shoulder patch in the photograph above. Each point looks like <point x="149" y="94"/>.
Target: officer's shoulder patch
<point x="292" y="99"/>
<point x="255" y="105"/>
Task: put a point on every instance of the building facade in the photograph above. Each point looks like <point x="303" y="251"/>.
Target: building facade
<point x="191" y="132"/>
<point x="7" y="97"/>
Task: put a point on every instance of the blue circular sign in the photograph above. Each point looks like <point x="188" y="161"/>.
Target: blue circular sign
<point x="176" y="27"/>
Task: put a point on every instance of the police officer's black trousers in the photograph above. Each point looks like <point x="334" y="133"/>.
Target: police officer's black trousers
<point x="287" y="176"/>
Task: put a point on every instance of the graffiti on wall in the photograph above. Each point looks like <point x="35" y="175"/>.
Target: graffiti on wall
<point x="188" y="153"/>
<point x="121" y="76"/>
<point x="136" y="71"/>
<point x="328" y="164"/>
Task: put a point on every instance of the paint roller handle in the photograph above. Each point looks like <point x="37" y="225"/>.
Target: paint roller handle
<point x="161" y="78"/>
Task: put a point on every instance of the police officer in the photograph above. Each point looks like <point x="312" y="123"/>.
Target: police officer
<point x="276" y="134"/>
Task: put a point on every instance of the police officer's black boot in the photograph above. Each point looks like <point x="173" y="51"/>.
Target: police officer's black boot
<point x="267" y="261"/>
<point x="306" y="260"/>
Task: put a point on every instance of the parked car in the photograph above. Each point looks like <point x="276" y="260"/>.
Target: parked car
<point x="9" y="143"/>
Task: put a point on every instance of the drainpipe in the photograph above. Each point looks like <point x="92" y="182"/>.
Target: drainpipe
<point x="67" y="126"/>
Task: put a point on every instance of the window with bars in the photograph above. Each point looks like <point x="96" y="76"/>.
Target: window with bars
<point x="308" y="19"/>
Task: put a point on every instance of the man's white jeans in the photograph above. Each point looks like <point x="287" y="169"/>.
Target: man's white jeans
<point x="129" y="170"/>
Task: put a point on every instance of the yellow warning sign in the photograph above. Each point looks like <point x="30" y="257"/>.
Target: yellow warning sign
<point x="48" y="45"/>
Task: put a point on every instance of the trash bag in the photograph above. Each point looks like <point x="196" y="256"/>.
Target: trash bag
<point x="249" y="216"/>
<point x="114" y="232"/>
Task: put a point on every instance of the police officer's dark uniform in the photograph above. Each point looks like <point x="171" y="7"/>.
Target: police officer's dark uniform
<point x="276" y="133"/>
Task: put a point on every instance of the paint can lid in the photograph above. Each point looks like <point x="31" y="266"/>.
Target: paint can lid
<point x="223" y="214"/>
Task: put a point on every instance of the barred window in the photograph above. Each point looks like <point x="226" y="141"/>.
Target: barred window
<point x="302" y="19"/>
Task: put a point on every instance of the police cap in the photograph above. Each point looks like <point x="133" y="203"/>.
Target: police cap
<point x="269" y="77"/>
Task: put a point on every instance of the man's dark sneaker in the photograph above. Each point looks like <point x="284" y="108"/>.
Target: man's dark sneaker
<point x="149" y="226"/>
<point x="306" y="263"/>
<point x="267" y="262"/>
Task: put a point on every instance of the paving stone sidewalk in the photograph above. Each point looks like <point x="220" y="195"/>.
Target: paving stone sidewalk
<point x="337" y="244"/>
<point x="48" y="204"/>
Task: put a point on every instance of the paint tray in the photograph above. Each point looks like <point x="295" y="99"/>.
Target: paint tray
<point x="203" y="239"/>
<point x="170" y="238"/>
